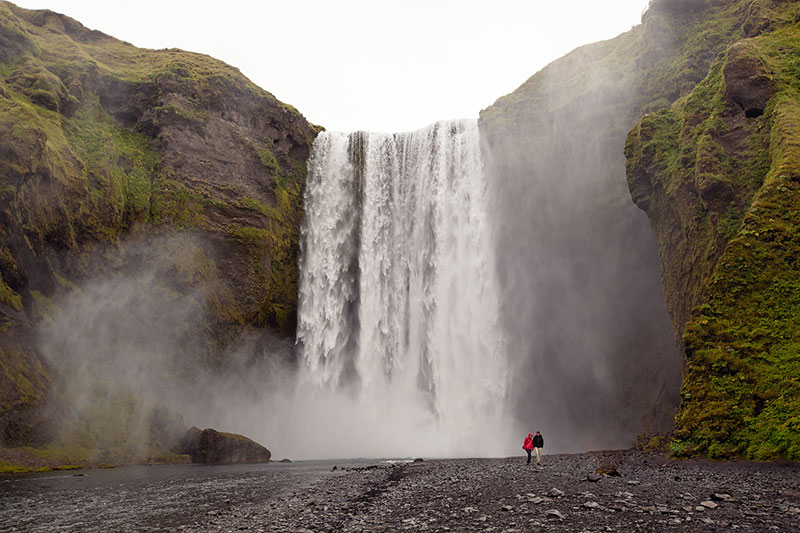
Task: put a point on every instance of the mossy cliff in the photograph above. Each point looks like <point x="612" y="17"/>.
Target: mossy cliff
<point x="718" y="173"/>
<point x="711" y="163"/>
<point x="106" y="150"/>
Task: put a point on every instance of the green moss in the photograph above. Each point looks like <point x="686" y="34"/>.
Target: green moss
<point x="44" y="307"/>
<point x="9" y="296"/>
<point x="253" y="236"/>
<point x="280" y="306"/>
<point x="169" y="458"/>
<point x="172" y="204"/>
<point x="656" y="444"/>
<point x="13" y="469"/>
<point x="60" y="455"/>
<point x="741" y="395"/>
<point x="267" y="158"/>
<point x="255" y="205"/>
<point x="26" y="373"/>
<point x="118" y="168"/>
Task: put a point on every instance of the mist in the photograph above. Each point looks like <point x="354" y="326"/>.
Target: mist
<point x="136" y="358"/>
<point x="595" y="361"/>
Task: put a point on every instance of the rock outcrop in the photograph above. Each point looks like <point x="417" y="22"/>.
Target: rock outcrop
<point x="113" y="156"/>
<point x="718" y="173"/>
<point x="213" y="447"/>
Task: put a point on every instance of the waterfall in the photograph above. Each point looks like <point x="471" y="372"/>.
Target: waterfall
<point x="398" y="315"/>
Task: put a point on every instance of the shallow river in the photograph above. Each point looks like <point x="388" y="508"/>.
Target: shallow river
<point x="146" y="497"/>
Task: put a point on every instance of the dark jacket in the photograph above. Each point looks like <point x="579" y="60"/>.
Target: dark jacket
<point x="538" y="441"/>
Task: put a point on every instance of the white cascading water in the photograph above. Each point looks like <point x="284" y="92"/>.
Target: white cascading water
<point x="398" y="314"/>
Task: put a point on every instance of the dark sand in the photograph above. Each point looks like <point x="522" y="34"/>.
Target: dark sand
<point x="506" y="495"/>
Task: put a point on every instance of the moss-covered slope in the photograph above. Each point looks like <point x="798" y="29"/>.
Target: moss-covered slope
<point x="102" y="145"/>
<point x="717" y="173"/>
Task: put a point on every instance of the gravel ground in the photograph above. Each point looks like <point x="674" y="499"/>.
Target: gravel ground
<point x="643" y="493"/>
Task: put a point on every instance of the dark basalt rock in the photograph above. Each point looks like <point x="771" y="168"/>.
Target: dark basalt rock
<point x="213" y="447"/>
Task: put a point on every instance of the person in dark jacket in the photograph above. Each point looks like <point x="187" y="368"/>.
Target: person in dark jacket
<point x="538" y="444"/>
<point x="528" y="446"/>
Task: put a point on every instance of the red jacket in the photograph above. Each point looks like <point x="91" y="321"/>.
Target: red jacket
<point x="528" y="445"/>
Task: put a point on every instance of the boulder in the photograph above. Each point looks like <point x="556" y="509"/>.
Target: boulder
<point x="213" y="447"/>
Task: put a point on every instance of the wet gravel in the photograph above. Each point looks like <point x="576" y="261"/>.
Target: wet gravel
<point x="145" y="498"/>
<point x="643" y="493"/>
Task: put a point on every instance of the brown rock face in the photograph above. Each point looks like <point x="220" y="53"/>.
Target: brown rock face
<point x="113" y="156"/>
<point x="212" y="447"/>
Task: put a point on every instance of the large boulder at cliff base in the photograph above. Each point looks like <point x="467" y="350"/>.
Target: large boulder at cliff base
<point x="213" y="447"/>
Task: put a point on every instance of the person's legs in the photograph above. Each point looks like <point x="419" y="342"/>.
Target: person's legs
<point x="538" y="456"/>
<point x="529" y="456"/>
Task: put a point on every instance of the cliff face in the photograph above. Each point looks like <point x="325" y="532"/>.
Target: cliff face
<point x="555" y="159"/>
<point x="113" y="156"/>
<point x="717" y="173"/>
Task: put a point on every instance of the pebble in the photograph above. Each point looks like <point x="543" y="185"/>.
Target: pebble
<point x="554" y="514"/>
<point x="708" y="504"/>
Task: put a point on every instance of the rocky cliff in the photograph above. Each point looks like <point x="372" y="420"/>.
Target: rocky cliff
<point x="116" y="160"/>
<point x="714" y="81"/>
<point x="717" y="173"/>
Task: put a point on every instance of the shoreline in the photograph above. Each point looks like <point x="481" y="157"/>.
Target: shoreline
<point x="640" y="491"/>
<point x="27" y="461"/>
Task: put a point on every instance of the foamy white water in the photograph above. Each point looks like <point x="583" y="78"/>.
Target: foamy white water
<point x="398" y="314"/>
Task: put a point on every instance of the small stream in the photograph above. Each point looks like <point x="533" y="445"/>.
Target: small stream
<point x="140" y="498"/>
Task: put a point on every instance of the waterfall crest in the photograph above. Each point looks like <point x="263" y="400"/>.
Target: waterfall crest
<point x="398" y="328"/>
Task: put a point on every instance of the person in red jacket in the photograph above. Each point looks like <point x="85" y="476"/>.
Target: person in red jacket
<point x="528" y="446"/>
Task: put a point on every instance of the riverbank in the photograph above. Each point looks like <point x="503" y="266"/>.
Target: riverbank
<point x="650" y="493"/>
<point x="28" y="459"/>
<point x="640" y="492"/>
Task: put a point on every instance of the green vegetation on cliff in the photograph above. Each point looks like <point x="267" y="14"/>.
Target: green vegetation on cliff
<point x="719" y="175"/>
<point x="117" y="161"/>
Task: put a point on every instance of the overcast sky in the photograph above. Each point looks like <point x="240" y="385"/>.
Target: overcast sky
<point x="368" y="64"/>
